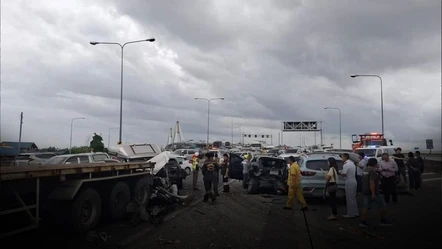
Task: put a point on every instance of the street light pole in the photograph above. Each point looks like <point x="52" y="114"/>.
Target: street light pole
<point x="121" y="76"/>
<point x="70" y="141"/>
<point x="208" y="114"/>
<point x="382" y="94"/>
<point x="340" y="124"/>
<point x="231" y="124"/>
<point x="108" y="138"/>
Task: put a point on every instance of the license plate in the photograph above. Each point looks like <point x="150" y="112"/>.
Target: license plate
<point x="274" y="172"/>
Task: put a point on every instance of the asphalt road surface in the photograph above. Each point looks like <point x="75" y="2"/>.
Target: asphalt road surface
<point x="239" y="220"/>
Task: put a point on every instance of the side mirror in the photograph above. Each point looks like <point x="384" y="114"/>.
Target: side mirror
<point x="180" y="162"/>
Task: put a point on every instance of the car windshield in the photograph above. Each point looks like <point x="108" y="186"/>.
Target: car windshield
<point x="272" y="163"/>
<point x="55" y="160"/>
<point x="322" y="164"/>
<point x="44" y="156"/>
<point x="22" y="157"/>
<point x="367" y="152"/>
<point x="100" y="157"/>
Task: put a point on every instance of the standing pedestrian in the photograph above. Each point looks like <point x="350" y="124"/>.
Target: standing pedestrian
<point x="420" y="160"/>
<point x="295" y="188"/>
<point x="399" y="158"/>
<point x="195" y="169"/>
<point x="349" y="172"/>
<point x="388" y="169"/>
<point x="225" y="173"/>
<point x="332" y="188"/>
<point x="414" y="174"/>
<point x="209" y="173"/>
<point x="216" y="179"/>
<point x="360" y="168"/>
<point x="245" y="171"/>
<point x="370" y="190"/>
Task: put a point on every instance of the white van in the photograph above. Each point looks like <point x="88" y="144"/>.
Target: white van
<point x="376" y="151"/>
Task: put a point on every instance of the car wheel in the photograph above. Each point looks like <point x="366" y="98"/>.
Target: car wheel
<point x="253" y="186"/>
<point x="188" y="170"/>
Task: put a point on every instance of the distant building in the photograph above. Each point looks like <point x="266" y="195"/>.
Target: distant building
<point x="10" y="149"/>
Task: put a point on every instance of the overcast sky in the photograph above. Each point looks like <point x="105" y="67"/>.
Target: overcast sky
<point x="272" y="61"/>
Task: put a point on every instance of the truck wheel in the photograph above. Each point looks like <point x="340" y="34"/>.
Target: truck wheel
<point x="86" y="210"/>
<point x="119" y="198"/>
<point x="142" y="191"/>
<point x="253" y="186"/>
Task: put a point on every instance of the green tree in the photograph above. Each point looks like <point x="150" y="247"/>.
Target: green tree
<point x="97" y="143"/>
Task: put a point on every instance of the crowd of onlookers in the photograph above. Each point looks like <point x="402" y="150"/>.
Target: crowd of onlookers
<point x="369" y="177"/>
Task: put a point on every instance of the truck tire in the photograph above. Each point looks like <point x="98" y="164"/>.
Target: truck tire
<point x="142" y="191"/>
<point x="118" y="200"/>
<point x="253" y="186"/>
<point x="86" y="210"/>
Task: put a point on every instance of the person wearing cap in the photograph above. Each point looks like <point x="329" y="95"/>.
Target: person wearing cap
<point x="294" y="184"/>
<point x="370" y="190"/>
<point x="195" y="169"/>
<point x="388" y="169"/>
<point x="399" y="158"/>
<point x="245" y="171"/>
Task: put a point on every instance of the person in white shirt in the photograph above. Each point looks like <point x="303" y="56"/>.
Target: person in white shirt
<point x="332" y="178"/>
<point x="349" y="172"/>
<point x="360" y="168"/>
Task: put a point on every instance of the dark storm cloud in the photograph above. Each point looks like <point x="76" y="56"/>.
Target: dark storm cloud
<point x="271" y="60"/>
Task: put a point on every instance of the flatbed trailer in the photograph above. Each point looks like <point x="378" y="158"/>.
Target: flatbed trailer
<point x="76" y="196"/>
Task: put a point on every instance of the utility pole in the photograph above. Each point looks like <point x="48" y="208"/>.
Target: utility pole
<point x="19" y="135"/>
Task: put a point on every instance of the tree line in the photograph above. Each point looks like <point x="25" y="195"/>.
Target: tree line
<point x="96" y="145"/>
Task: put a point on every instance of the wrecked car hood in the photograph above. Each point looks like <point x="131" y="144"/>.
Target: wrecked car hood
<point x="160" y="160"/>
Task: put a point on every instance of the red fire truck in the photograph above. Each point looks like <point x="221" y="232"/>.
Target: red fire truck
<point x="369" y="139"/>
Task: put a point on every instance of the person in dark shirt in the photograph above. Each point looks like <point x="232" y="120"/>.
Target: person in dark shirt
<point x="225" y="173"/>
<point x="420" y="160"/>
<point x="414" y="174"/>
<point x="209" y="170"/>
<point x="370" y="190"/>
<point x="399" y="158"/>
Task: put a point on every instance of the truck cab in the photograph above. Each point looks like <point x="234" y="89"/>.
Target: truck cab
<point x="369" y="139"/>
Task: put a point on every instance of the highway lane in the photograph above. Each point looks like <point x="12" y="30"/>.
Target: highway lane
<point x="253" y="221"/>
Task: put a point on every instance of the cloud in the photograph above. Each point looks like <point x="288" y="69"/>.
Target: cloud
<point x="271" y="61"/>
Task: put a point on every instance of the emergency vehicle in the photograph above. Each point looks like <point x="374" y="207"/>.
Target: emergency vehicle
<point x="369" y="139"/>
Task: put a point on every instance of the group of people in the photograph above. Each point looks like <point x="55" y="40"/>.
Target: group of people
<point x="367" y="177"/>
<point x="211" y="170"/>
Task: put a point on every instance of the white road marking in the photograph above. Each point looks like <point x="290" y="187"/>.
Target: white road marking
<point x="432" y="179"/>
<point x="428" y="173"/>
